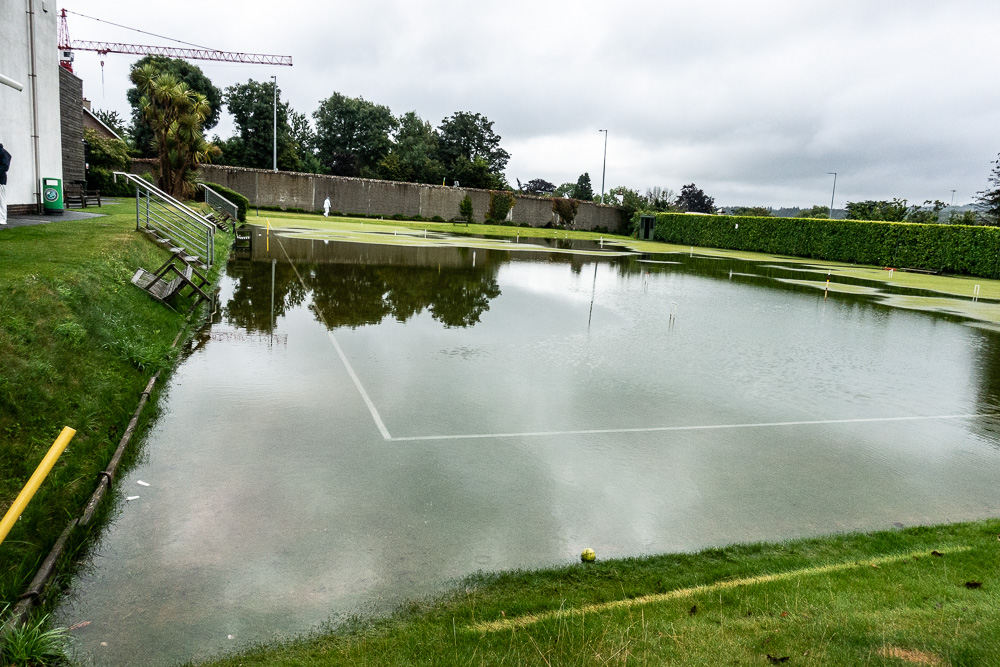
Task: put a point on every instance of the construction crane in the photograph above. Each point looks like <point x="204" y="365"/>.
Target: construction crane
<point x="67" y="46"/>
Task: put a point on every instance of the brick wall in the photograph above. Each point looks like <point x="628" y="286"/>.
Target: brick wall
<point x="71" y="114"/>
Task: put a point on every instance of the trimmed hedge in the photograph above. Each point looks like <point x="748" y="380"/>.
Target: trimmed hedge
<point x="959" y="249"/>
<point x="104" y="180"/>
<point x="242" y="203"/>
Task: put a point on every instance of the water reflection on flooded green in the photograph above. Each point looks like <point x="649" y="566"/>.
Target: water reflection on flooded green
<point x="364" y="424"/>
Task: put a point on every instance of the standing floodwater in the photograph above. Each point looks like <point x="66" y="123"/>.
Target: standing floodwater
<point x="365" y="424"/>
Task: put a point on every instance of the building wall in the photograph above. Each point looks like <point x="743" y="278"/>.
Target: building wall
<point x="362" y="196"/>
<point x="71" y="112"/>
<point x="23" y="181"/>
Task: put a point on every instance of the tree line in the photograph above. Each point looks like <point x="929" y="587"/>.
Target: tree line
<point x="174" y="104"/>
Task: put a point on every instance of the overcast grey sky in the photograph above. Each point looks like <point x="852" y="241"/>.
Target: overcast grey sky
<point x="753" y="101"/>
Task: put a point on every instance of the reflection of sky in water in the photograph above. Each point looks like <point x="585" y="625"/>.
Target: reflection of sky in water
<point x="274" y="503"/>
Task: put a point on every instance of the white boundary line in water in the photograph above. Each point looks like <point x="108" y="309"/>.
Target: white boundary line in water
<point x="600" y="431"/>
<point x="657" y="429"/>
<point x="357" y="383"/>
<point x="350" y="371"/>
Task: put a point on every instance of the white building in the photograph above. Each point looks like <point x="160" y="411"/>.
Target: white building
<point x="29" y="118"/>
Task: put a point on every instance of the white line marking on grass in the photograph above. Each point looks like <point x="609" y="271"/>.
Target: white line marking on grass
<point x="350" y="371"/>
<point x="656" y="429"/>
<point x="530" y="619"/>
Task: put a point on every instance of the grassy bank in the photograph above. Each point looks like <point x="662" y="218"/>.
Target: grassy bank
<point x="78" y="343"/>
<point x="924" y="595"/>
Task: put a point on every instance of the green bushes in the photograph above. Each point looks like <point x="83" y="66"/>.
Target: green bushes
<point x="465" y="209"/>
<point x="959" y="249"/>
<point x="501" y="202"/>
<point x="102" y="179"/>
<point x="242" y="203"/>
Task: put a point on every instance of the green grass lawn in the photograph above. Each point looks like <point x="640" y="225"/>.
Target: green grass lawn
<point x="924" y="595"/>
<point x="78" y="343"/>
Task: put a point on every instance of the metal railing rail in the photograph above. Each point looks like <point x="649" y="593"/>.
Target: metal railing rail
<point x="170" y="219"/>
<point x="220" y="203"/>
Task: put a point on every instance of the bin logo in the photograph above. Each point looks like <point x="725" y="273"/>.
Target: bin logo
<point x="51" y="194"/>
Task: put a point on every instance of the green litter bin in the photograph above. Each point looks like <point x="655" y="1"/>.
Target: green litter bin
<point x="52" y="196"/>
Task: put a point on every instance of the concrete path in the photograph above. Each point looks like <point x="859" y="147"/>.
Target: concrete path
<point x="26" y="220"/>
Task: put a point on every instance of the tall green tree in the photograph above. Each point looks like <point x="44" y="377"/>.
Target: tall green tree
<point x="584" y="190"/>
<point x="115" y="122"/>
<point x="413" y="156"/>
<point x="352" y="135"/>
<point x="174" y="113"/>
<point x="190" y="75"/>
<point x="303" y="142"/>
<point x="252" y="106"/>
<point x="470" y="151"/>
<point x="693" y="199"/>
<point x="537" y="186"/>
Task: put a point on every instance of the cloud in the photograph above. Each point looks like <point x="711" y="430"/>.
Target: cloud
<point x="755" y="102"/>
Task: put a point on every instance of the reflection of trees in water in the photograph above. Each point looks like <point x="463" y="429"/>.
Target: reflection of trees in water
<point x="250" y="306"/>
<point x="988" y="370"/>
<point x="355" y="295"/>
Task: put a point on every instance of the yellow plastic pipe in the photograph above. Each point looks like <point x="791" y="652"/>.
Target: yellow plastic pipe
<point x="41" y="472"/>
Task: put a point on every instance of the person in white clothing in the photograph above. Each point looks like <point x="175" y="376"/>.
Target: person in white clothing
<point x="326" y="207"/>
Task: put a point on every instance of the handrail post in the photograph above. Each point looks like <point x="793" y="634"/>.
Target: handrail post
<point x="36" y="479"/>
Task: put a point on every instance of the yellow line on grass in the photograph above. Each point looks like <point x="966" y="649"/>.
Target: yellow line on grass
<point x="530" y="619"/>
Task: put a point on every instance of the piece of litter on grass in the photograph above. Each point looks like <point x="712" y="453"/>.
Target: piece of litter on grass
<point x="142" y="483"/>
<point x="229" y="636"/>
<point x="104" y="643"/>
<point x="131" y="497"/>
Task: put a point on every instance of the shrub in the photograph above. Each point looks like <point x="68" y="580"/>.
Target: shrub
<point x="566" y="209"/>
<point x="957" y="249"/>
<point x="99" y="178"/>
<point x="501" y="202"/>
<point x="465" y="209"/>
<point x="242" y="203"/>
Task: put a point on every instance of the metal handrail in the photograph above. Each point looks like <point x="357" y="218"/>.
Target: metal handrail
<point x="233" y="210"/>
<point x="172" y="219"/>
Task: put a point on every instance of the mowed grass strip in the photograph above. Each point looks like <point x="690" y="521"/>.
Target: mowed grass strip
<point x="78" y="343"/>
<point x="890" y="598"/>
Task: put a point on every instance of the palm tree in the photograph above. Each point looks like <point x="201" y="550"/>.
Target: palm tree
<point x="175" y="114"/>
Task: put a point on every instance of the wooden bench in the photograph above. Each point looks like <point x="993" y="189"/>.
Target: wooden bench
<point x="77" y="195"/>
<point x="162" y="287"/>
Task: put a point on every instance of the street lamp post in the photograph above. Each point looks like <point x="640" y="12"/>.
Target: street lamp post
<point x="834" y="193"/>
<point x="275" y="132"/>
<point x="604" y="168"/>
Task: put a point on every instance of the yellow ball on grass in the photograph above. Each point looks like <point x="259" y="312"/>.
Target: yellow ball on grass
<point x="588" y="556"/>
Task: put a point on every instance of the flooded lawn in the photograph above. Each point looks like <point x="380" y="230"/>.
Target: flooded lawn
<point x="364" y="424"/>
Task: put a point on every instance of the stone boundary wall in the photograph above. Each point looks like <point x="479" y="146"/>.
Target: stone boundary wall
<point x="365" y="196"/>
